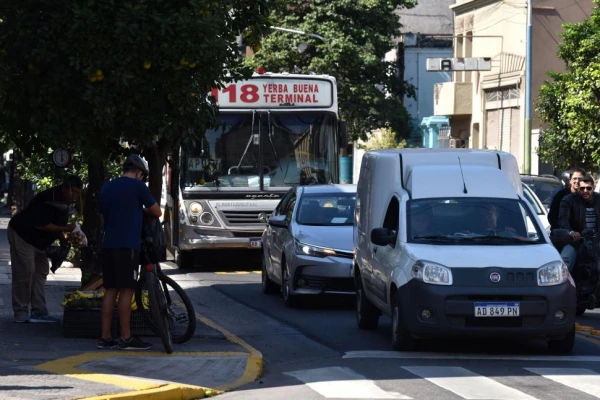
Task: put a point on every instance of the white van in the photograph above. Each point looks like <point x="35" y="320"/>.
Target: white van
<point x="446" y="245"/>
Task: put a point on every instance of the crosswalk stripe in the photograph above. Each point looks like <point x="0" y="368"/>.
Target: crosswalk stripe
<point x="237" y="272"/>
<point x="467" y="384"/>
<point x="342" y="383"/>
<point x="584" y="380"/>
<point x="457" y="356"/>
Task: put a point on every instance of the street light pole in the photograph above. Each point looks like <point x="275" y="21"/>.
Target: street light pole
<point x="528" y="56"/>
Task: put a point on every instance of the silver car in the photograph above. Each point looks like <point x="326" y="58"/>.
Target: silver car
<point x="307" y="245"/>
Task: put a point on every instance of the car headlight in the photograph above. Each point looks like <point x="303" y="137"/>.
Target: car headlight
<point x="433" y="273"/>
<point x="311" y="250"/>
<point x="196" y="208"/>
<point x="553" y="273"/>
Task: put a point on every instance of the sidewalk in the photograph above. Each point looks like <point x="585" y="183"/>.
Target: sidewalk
<point x="37" y="362"/>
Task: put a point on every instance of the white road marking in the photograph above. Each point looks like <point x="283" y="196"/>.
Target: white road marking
<point x="451" y="356"/>
<point x="342" y="383"/>
<point x="467" y="384"/>
<point x="581" y="379"/>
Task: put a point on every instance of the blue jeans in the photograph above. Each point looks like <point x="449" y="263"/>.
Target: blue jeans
<point x="569" y="255"/>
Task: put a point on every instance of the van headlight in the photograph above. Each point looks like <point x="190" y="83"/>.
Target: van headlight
<point x="433" y="273"/>
<point x="553" y="273"/>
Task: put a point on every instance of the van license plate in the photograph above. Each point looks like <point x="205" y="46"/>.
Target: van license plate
<point x="256" y="243"/>
<point x="497" y="309"/>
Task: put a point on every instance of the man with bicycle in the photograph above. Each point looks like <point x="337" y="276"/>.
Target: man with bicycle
<point x="123" y="202"/>
<point x="579" y="212"/>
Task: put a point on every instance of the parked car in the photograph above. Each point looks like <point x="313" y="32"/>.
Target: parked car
<point x="537" y="205"/>
<point x="543" y="186"/>
<point x="307" y="245"/>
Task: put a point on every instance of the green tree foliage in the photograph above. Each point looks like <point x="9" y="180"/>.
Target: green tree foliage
<point x="384" y="139"/>
<point x="358" y="34"/>
<point x="91" y="75"/>
<point x="569" y="105"/>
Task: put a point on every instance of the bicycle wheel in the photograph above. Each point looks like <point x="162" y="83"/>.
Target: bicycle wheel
<point x="158" y="308"/>
<point x="181" y="314"/>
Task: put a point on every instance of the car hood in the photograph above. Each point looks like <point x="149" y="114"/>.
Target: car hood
<point x="476" y="256"/>
<point x="334" y="237"/>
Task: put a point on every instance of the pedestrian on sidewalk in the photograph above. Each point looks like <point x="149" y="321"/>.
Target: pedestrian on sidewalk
<point x="122" y="203"/>
<point x="30" y="233"/>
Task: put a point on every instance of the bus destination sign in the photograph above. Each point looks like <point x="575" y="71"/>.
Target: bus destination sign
<point x="275" y="93"/>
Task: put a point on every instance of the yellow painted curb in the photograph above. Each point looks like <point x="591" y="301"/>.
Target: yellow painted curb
<point x="165" y="392"/>
<point x="254" y="364"/>
<point x="157" y="391"/>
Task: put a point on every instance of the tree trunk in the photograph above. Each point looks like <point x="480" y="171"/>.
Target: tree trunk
<point x="156" y="158"/>
<point x="91" y="267"/>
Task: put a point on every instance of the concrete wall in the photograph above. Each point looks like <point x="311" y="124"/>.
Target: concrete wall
<point x="548" y="17"/>
<point x="428" y="17"/>
<point x="414" y="73"/>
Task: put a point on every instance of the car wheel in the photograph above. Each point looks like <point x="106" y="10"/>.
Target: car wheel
<point x="367" y="315"/>
<point x="268" y="286"/>
<point x="564" y="345"/>
<point x="286" y="285"/>
<point x="580" y="311"/>
<point x="401" y="337"/>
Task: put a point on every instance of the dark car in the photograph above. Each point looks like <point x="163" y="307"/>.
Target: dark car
<point x="543" y="186"/>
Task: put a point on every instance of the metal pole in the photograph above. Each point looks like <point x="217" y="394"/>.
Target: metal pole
<point x="528" y="56"/>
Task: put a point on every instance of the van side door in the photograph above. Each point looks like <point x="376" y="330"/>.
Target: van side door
<point x="384" y="256"/>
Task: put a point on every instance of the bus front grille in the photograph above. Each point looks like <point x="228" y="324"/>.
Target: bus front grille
<point x="244" y="217"/>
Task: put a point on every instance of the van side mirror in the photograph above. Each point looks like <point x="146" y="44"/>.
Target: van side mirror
<point x="343" y="132"/>
<point x="278" y="221"/>
<point x="383" y="236"/>
<point x="560" y="237"/>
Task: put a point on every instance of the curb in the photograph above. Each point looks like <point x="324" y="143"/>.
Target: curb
<point x="175" y="391"/>
<point x="166" y="392"/>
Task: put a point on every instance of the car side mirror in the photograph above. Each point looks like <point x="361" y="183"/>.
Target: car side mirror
<point x="383" y="236"/>
<point x="277" y="221"/>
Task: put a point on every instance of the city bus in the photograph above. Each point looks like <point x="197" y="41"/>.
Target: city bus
<point x="275" y="131"/>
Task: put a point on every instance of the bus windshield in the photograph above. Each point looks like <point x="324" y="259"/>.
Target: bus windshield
<point x="262" y="151"/>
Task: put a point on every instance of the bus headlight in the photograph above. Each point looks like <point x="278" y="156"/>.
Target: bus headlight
<point x="207" y="218"/>
<point x="195" y="208"/>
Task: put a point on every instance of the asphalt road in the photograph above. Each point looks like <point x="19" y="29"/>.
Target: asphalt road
<point x="317" y="352"/>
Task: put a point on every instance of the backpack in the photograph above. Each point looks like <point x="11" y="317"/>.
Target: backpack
<point x="153" y="229"/>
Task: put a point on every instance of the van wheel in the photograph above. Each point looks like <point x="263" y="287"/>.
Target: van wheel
<point x="580" y="311"/>
<point x="564" y="345"/>
<point x="286" y="287"/>
<point x="268" y="286"/>
<point x="367" y="315"/>
<point x="401" y="337"/>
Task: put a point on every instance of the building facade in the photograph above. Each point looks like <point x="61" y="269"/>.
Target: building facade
<point x="486" y="108"/>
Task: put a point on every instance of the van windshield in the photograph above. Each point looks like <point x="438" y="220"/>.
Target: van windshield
<point x="485" y="221"/>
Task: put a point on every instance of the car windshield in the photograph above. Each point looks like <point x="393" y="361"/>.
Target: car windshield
<point x="488" y="221"/>
<point x="326" y="209"/>
<point x="543" y="189"/>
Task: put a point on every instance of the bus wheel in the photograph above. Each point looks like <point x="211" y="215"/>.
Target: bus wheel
<point x="184" y="259"/>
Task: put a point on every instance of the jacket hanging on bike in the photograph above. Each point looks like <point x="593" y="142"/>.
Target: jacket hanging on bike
<point x="572" y="212"/>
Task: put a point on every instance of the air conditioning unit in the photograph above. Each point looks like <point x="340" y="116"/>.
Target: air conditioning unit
<point x="457" y="143"/>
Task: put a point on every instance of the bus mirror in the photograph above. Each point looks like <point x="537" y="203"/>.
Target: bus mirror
<point x="343" y="130"/>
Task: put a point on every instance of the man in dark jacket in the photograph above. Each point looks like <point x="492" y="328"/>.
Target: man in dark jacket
<point x="30" y="233"/>
<point x="579" y="212"/>
<point x="576" y="174"/>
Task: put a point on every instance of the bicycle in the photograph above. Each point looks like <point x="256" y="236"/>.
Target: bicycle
<point x="161" y="314"/>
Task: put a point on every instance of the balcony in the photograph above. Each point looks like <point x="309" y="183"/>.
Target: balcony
<point x="453" y="98"/>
